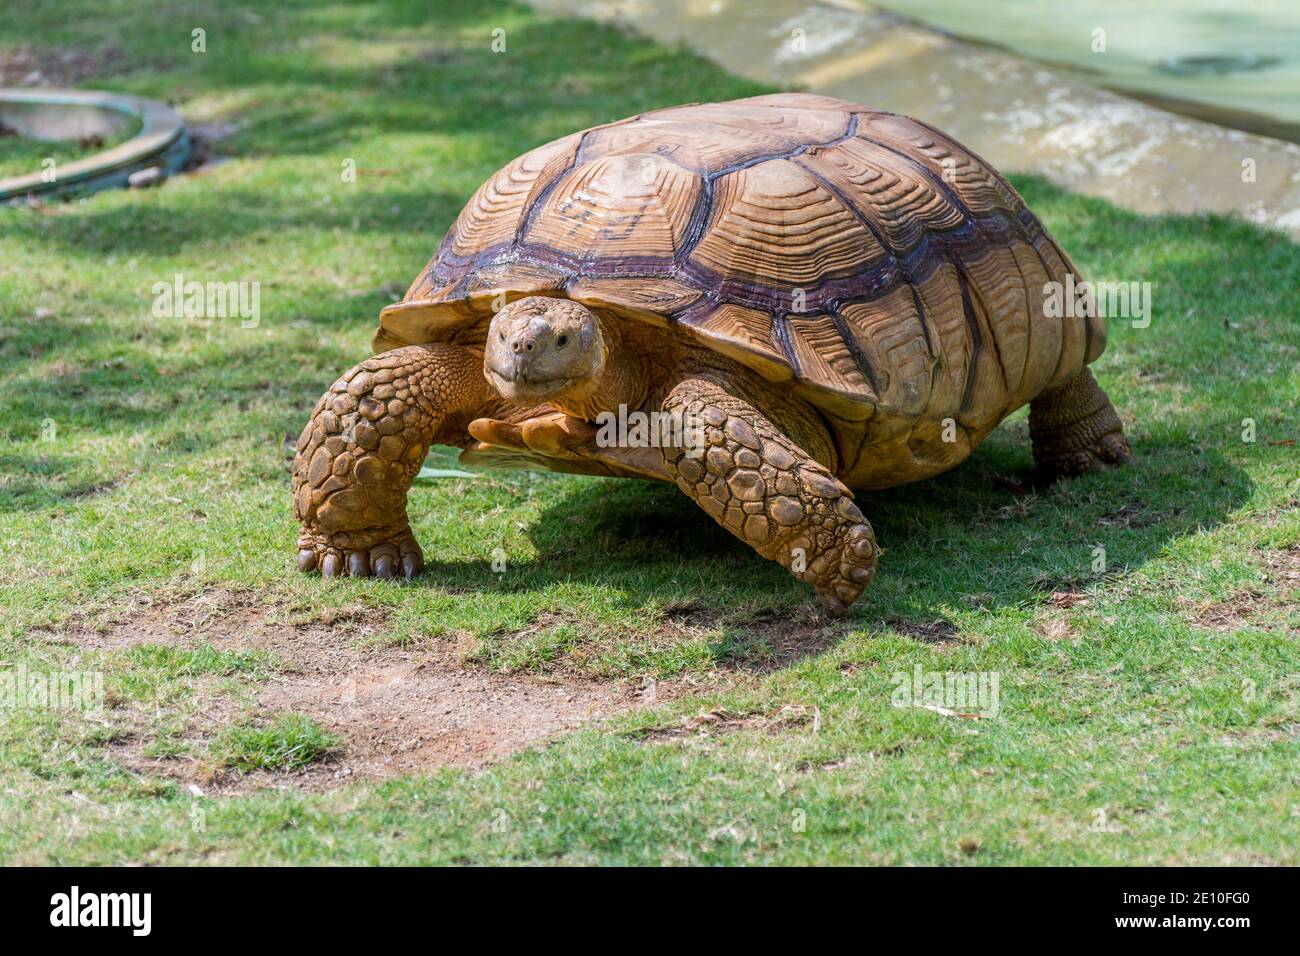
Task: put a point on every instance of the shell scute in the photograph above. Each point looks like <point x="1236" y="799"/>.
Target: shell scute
<point x="614" y="207"/>
<point x="889" y="332"/>
<point x="941" y="302"/>
<point x="970" y="180"/>
<point x="745" y="334"/>
<point x="995" y="281"/>
<point x="712" y="138"/>
<point x="883" y="190"/>
<point x="494" y="213"/>
<point x="825" y="355"/>
<point x="774" y="220"/>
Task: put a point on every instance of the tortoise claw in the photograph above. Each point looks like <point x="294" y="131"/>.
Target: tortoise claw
<point x="358" y="564"/>
<point x="853" y="571"/>
<point x="411" y="565"/>
<point x="360" y="554"/>
<point x="832" y="605"/>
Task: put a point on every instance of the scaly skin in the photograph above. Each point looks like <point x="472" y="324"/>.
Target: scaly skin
<point x="364" y="445"/>
<point x="766" y="490"/>
<point x="1075" y="429"/>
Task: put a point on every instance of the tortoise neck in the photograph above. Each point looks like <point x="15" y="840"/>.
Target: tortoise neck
<point x="624" y="381"/>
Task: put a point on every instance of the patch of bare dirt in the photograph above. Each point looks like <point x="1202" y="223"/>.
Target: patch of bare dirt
<point x="399" y="710"/>
<point x="230" y="621"/>
<point x="775" y="641"/>
<point x="1052" y="623"/>
<point x="60" y="66"/>
<point x="1253" y="606"/>
<point x="408" y="714"/>
<point x="755" y="643"/>
<point x="1227" y="615"/>
<point x="936" y="631"/>
<point x="1284" y="569"/>
<point x="1135" y="516"/>
<point x="205" y="156"/>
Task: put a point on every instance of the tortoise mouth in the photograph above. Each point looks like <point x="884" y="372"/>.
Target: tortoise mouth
<point x="524" y="387"/>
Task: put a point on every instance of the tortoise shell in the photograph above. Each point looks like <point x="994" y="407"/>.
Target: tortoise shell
<point x="881" y="269"/>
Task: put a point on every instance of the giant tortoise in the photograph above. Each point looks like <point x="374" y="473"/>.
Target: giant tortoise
<point x="770" y="302"/>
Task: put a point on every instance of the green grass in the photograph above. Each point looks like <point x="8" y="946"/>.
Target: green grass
<point x="286" y="742"/>
<point x="20" y="155"/>
<point x="148" y="672"/>
<point x="143" y="458"/>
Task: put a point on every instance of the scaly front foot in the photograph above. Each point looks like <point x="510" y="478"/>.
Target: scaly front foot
<point x="383" y="552"/>
<point x="768" y="491"/>
<point x="842" y="572"/>
<point x="362" y="448"/>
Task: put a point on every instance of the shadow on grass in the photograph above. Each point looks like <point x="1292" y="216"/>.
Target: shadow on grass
<point x="229" y="213"/>
<point x="982" y="535"/>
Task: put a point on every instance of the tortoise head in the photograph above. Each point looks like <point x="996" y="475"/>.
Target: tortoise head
<point x="541" y="349"/>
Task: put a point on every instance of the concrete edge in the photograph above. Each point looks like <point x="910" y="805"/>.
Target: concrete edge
<point x="162" y="141"/>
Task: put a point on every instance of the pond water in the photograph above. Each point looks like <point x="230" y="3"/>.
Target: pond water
<point x="1235" y="62"/>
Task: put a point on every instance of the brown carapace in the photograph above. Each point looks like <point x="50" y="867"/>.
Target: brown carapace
<point x="769" y="302"/>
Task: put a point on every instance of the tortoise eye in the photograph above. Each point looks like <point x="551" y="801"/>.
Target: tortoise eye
<point x="561" y="341"/>
<point x="502" y="335"/>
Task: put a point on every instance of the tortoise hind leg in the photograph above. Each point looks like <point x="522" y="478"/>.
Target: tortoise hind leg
<point x="762" y="487"/>
<point x="1075" y="429"/>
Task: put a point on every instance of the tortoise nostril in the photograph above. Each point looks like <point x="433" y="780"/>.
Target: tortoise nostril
<point x="529" y="346"/>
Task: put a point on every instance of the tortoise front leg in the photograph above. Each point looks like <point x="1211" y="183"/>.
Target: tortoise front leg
<point x="763" y="488"/>
<point x="362" y="448"/>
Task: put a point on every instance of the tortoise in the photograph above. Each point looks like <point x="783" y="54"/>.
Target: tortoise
<point x="815" y="296"/>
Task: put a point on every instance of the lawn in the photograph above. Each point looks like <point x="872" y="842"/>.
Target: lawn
<point x="20" y="155"/>
<point x="1141" y="624"/>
